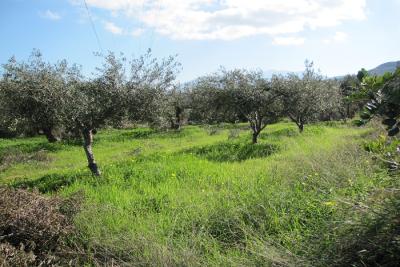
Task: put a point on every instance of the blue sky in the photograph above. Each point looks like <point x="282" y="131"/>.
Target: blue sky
<point x="340" y="36"/>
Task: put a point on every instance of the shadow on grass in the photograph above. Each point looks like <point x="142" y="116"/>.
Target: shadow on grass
<point x="8" y="160"/>
<point x="293" y="132"/>
<point x="25" y="153"/>
<point x="231" y="152"/>
<point x="33" y="147"/>
<point x="140" y="133"/>
<point x="49" y="183"/>
<point x="286" y="132"/>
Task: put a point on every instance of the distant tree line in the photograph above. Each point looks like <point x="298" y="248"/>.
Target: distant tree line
<point x="58" y="101"/>
<point x="246" y="96"/>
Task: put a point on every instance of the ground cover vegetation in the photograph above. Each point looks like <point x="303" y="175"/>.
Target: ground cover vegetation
<point x="231" y="169"/>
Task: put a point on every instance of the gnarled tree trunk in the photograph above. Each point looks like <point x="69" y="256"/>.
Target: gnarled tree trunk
<point x="87" y="146"/>
<point x="299" y="122"/>
<point x="256" y="124"/>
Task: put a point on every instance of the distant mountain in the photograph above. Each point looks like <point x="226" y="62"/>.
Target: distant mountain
<point x="380" y="70"/>
<point x="385" y="67"/>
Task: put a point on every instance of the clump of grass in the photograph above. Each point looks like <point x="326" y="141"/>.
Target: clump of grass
<point x="212" y="129"/>
<point x="370" y="238"/>
<point x="233" y="133"/>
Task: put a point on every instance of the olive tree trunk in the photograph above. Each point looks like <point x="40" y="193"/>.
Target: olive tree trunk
<point x="87" y="146"/>
<point x="176" y="124"/>
<point x="301" y="127"/>
<point x="255" y="137"/>
<point x="48" y="132"/>
<point x="299" y="122"/>
<point x="256" y="125"/>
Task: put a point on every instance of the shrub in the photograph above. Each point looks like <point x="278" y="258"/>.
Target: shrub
<point x="35" y="229"/>
<point x="212" y="129"/>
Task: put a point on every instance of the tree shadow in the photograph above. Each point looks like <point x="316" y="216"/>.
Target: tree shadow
<point x="286" y="132"/>
<point x="48" y="183"/>
<point x="33" y="147"/>
<point x="140" y="133"/>
<point x="26" y="153"/>
<point x="231" y="152"/>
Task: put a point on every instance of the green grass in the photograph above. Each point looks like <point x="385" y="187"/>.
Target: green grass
<point x="209" y="198"/>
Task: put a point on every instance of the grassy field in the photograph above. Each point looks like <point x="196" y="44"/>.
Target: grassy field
<point x="205" y="196"/>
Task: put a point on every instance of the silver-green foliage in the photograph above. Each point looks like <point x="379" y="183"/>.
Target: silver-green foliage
<point x="33" y="93"/>
<point x="310" y="97"/>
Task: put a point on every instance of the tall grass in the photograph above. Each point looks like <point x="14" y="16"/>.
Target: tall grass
<point x="192" y="198"/>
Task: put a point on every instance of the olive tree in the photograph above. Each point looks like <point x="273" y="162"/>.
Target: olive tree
<point x="4" y="119"/>
<point x="208" y="100"/>
<point x="333" y="102"/>
<point x="251" y="96"/>
<point x="6" y="122"/>
<point x="33" y="93"/>
<point x="47" y="96"/>
<point x="96" y="102"/>
<point x="176" y="107"/>
<point x="120" y="90"/>
<point x="147" y="87"/>
<point x="236" y="95"/>
<point x="309" y="97"/>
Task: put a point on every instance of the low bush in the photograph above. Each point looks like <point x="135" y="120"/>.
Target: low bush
<point x="35" y="230"/>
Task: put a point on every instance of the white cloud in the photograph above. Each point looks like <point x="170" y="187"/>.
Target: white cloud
<point x="114" y="29"/>
<point x="48" y="14"/>
<point x="111" y="27"/>
<point x="288" y="41"/>
<point x="232" y="19"/>
<point x="339" y="37"/>
<point x="137" y="32"/>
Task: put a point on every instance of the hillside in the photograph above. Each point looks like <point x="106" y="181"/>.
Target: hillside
<point x="385" y="67"/>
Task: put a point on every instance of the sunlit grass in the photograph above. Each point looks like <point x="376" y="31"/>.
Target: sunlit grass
<point x="186" y="198"/>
